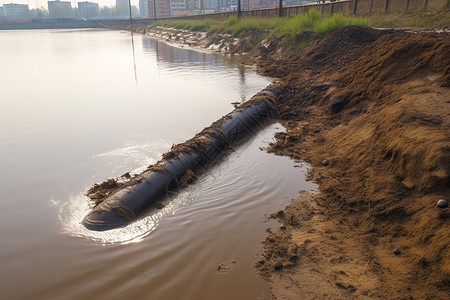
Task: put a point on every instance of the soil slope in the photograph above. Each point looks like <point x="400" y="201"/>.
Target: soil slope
<point x="376" y="105"/>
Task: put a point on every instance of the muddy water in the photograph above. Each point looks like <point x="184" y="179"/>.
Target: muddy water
<point x="82" y="106"/>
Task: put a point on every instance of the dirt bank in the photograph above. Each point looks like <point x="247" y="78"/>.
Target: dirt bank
<point x="375" y="105"/>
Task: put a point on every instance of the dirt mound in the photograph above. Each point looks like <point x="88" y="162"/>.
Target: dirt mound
<point x="342" y="46"/>
<point x="375" y="104"/>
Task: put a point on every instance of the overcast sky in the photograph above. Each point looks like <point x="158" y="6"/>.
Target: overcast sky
<point x="32" y="3"/>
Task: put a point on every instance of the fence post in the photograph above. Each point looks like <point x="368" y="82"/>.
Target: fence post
<point x="355" y="5"/>
<point x="239" y="9"/>
<point x="280" y="9"/>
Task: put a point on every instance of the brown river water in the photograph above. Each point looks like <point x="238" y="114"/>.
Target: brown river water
<point x="81" y="106"/>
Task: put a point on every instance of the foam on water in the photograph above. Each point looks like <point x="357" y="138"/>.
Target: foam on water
<point x="72" y="212"/>
<point x="132" y="154"/>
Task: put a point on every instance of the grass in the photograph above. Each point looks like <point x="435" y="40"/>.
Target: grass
<point x="288" y="27"/>
<point x="412" y="18"/>
<point x="237" y="27"/>
<point x="278" y="27"/>
<point x="301" y="29"/>
<point x="337" y="21"/>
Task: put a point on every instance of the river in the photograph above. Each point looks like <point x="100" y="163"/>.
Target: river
<point x="82" y="106"/>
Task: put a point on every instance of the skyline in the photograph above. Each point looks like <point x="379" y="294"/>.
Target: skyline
<point x="43" y="3"/>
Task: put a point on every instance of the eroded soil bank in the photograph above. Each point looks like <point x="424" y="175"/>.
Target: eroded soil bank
<point x="376" y="105"/>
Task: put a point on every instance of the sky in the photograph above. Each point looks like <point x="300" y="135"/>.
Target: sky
<point x="32" y="3"/>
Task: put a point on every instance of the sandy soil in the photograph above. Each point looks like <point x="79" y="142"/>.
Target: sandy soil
<point x="376" y="105"/>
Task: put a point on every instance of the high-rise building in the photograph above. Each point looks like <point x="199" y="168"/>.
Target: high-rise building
<point x="123" y="10"/>
<point x="144" y="8"/>
<point x="15" y="11"/>
<point x="88" y="10"/>
<point x="267" y="3"/>
<point x="177" y="6"/>
<point x="162" y="8"/>
<point x="193" y="5"/>
<point x="253" y="4"/>
<point x="60" y="9"/>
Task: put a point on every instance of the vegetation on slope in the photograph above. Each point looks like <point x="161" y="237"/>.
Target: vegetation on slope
<point x="312" y="21"/>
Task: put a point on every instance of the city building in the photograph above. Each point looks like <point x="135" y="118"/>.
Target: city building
<point x="193" y="4"/>
<point x="60" y="9"/>
<point x="122" y="8"/>
<point x="177" y="6"/>
<point x="162" y="8"/>
<point x="14" y="11"/>
<point x="88" y="10"/>
<point x="144" y="8"/>
<point x="267" y="3"/>
<point x="252" y="4"/>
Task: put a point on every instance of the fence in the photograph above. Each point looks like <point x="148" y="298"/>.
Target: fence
<point x="327" y="8"/>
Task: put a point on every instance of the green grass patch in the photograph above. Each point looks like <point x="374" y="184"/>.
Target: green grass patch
<point x="338" y="21"/>
<point x="312" y="22"/>
<point x="237" y="27"/>
<point x="287" y="27"/>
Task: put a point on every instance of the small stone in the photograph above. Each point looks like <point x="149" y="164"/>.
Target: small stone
<point x="278" y="265"/>
<point x="325" y="162"/>
<point x="396" y="251"/>
<point x="159" y="205"/>
<point x="337" y="104"/>
<point x="442" y="203"/>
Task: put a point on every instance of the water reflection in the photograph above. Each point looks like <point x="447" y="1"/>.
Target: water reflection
<point x="134" y="57"/>
<point x="167" y="53"/>
<point x="241" y="69"/>
<point x="174" y="56"/>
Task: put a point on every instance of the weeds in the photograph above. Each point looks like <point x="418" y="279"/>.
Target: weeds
<point x="236" y="27"/>
<point x="337" y="21"/>
<point x="302" y="29"/>
<point x="412" y="18"/>
<point x="287" y="27"/>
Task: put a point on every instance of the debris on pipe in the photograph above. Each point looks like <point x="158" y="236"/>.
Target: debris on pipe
<point x="119" y="204"/>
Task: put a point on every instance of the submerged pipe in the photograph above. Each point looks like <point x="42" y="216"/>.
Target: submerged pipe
<point x="183" y="163"/>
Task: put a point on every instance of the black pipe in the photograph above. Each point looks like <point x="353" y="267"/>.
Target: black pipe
<point x="183" y="163"/>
